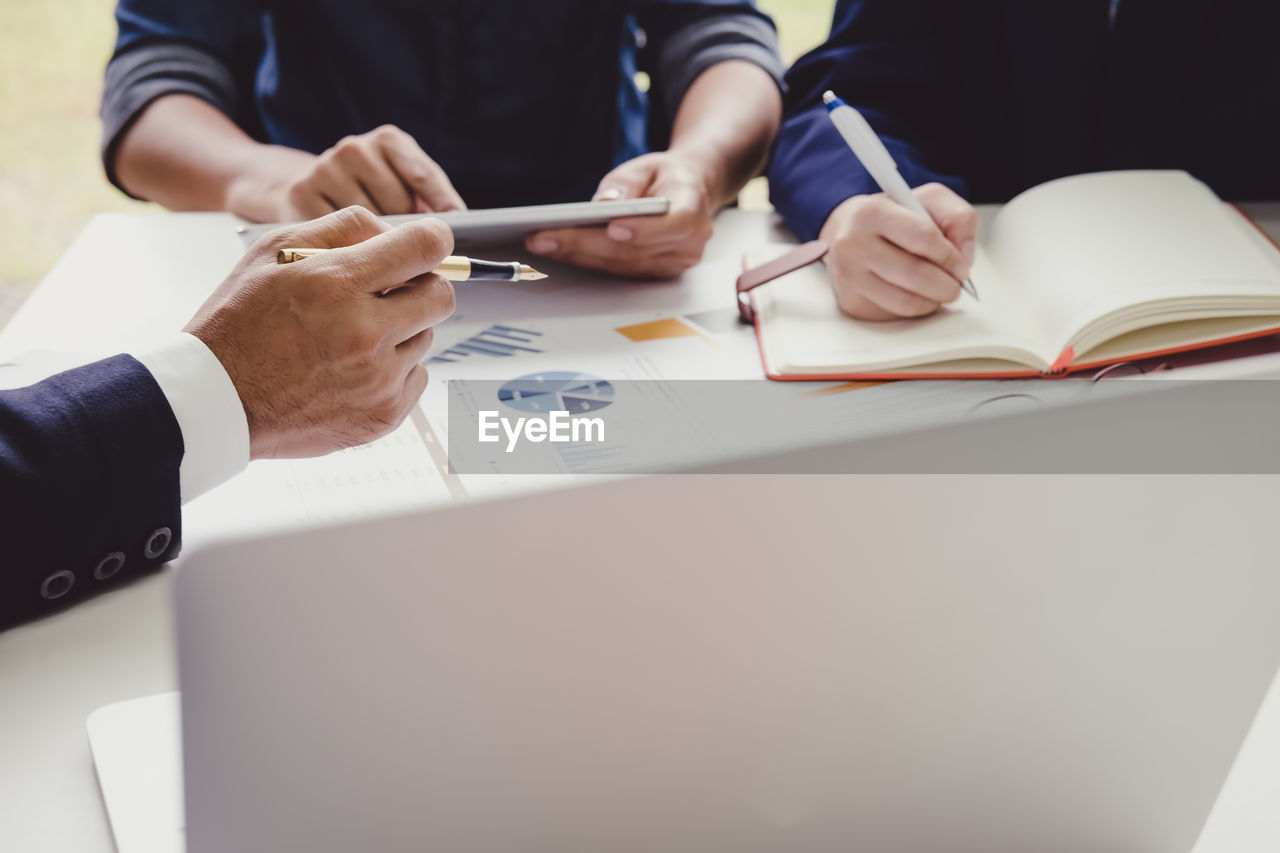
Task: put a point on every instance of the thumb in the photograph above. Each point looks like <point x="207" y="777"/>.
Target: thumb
<point x="630" y="180"/>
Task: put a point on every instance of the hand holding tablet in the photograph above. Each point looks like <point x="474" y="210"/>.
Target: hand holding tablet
<point x="657" y="247"/>
<point x="508" y="226"/>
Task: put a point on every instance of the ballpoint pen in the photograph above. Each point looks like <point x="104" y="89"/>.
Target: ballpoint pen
<point x="877" y="160"/>
<point x="453" y="267"/>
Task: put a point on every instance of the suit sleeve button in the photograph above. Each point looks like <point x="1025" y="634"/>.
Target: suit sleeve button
<point x="109" y="565"/>
<point x="157" y="543"/>
<point x="57" y="585"/>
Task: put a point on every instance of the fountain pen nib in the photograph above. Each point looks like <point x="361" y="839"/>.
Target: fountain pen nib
<point x="528" y="273"/>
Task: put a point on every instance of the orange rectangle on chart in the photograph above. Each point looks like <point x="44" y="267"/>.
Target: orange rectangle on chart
<point x="657" y="330"/>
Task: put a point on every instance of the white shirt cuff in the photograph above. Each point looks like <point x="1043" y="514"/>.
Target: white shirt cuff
<point x="215" y="431"/>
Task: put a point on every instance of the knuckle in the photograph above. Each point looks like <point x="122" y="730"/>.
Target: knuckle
<point x="844" y="248"/>
<point x="418" y="172"/>
<point x="923" y="236"/>
<point x="865" y="212"/>
<point x="389" y="411"/>
<point x="362" y="343"/>
<point x="348" y="157"/>
<point x="911" y="305"/>
<point x="299" y="189"/>
<point x="848" y="284"/>
<point x="389" y="382"/>
<point x="304" y="194"/>
<point x="325" y="170"/>
<point x="277" y="238"/>
<point x="856" y="305"/>
<point x="850" y="303"/>
<point x="345" y="278"/>
<point x="350" y="219"/>
<point x="386" y="132"/>
<point x="363" y="215"/>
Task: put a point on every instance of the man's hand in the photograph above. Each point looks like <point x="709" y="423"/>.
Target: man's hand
<point x="384" y="170"/>
<point x="653" y="247"/>
<point x="320" y="358"/>
<point x="888" y="263"/>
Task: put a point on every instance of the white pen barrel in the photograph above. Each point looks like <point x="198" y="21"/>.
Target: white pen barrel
<point x="909" y="199"/>
<point x="875" y="158"/>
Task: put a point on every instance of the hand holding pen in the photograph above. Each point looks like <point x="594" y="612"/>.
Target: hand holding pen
<point x="454" y="267"/>
<point x="900" y="253"/>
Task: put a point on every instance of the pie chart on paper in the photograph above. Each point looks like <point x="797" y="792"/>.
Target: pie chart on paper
<point x="557" y="391"/>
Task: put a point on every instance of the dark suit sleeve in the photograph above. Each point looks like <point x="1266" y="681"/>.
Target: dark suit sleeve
<point x="206" y="49"/>
<point x="89" y="465"/>
<point x="886" y="58"/>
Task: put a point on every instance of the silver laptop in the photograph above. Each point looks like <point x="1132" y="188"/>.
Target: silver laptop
<point x="744" y="664"/>
<point x="893" y="664"/>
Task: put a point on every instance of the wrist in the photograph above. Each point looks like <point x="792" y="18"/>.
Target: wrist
<point x="708" y="165"/>
<point x="260" y="188"/>
<point x="830" y="229"/>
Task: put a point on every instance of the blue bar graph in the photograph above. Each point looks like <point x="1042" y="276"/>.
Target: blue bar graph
<point x="494" y="342"/>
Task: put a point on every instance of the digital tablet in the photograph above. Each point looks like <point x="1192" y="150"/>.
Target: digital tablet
<point x="501" y="226"/>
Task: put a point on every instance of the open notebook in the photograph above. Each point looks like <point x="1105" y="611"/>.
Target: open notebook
<point x="1075" y="274"/>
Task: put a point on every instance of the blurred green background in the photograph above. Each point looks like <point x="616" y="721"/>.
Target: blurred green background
<point x="52" y="53"/>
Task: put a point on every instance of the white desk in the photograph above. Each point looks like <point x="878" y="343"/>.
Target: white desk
<point x="136" y="275"/>
<point x="126" y="277"/>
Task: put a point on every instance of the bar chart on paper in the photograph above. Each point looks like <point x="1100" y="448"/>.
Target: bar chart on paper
<point x="497" y="341"/>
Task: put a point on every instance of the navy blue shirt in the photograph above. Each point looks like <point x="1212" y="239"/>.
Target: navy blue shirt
<point x="519" y="101"/>
<point x="992" y="97"/>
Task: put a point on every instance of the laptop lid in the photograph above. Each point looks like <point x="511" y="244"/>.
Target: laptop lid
<point x="736" y="663"/>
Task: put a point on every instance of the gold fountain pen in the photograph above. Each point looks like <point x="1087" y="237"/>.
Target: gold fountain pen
<point x="453" y="267"/>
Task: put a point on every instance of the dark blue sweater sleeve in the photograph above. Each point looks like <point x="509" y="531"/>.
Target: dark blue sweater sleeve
<point x="885" y="57"/>
<point x="683" y="38"/>
<point x="209" y="50"/>
<point x="89" y="464"/>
